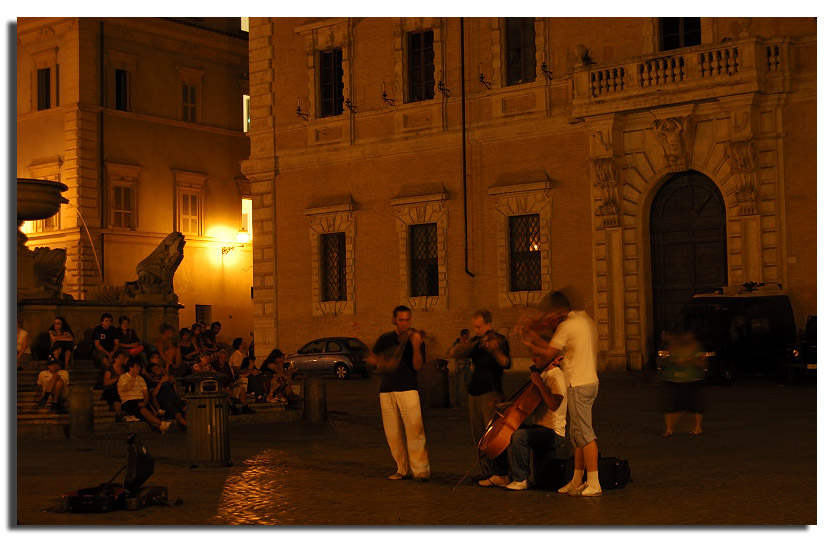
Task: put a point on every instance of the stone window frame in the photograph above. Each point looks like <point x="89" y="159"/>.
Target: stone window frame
<point x="404" y="26"/>
<point x="497" y="52"/>
<point x="127" y="176"/>
<point x="193" y="183"/>
<point x="332" y="33"/>
<point x="192" y="77"/>
<point x="522" y="199"/>
<point x="329" y="220"/>
<point x="41" y="60"/>
<point x="427" y="208"/>
<point x="120" y="60"/>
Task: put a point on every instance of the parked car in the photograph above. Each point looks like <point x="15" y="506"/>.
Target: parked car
<point x="739" y="333"/>
<point x="341" y="356"/>
<point x="803" y="360"/>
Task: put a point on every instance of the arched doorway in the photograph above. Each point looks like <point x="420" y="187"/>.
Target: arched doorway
<point x="688" y="244"/>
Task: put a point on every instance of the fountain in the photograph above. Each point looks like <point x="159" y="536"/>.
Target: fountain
<point x="149" y="301"/>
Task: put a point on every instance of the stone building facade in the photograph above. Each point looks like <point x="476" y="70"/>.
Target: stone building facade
<point x="633" y="161"/>
<point x="142" y="118"/>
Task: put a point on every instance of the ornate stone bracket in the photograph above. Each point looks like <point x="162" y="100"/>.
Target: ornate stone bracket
<point x="606" y="179"/>
<point x="676" y="136"/>
<point x="742" y="157"/>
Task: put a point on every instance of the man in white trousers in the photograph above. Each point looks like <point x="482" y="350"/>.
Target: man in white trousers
<point x="400" y="354"/>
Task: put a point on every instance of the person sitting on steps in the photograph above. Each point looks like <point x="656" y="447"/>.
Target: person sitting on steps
<point x="61" y="341"/>
<point x="52" y="384"/>
<point x="135" y="397"/>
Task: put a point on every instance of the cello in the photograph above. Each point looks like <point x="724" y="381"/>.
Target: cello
<point x="507" y="419"/>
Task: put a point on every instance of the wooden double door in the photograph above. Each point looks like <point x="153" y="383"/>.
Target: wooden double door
<point x="688" y="245"/>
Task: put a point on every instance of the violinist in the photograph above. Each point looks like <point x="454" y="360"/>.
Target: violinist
<point x="575" y="339"/>
<point x="489" y="353"/>
<point x="400" y="354"/>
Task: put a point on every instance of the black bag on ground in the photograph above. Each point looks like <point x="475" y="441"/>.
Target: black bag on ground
<point x="613" y="472"/>
<point x="551" y="470"/>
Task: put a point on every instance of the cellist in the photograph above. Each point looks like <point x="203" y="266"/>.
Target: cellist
<point x="544" y="428"/>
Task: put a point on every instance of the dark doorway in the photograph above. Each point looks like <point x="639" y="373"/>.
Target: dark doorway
<point x="689" y="245"/>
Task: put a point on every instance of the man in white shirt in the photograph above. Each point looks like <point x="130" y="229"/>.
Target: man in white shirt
<point x="133" y="391"/>
<point x="544" y="429"/>
<point x="575" y="339"/>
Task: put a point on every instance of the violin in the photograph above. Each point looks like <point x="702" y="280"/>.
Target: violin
<point x="511" y="415"/>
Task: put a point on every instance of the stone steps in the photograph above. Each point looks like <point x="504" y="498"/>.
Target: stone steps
<point x="33" y="419"/>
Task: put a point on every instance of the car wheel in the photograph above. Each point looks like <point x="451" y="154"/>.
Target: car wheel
<point x="341" y="371"/>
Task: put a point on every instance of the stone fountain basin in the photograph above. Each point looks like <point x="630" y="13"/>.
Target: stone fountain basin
<point x="38" y="198"/>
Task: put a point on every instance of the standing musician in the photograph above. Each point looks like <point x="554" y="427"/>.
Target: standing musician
<point x="400" y="354"/>
<point x="575" y="338"/>
<point x="489" y="353"/>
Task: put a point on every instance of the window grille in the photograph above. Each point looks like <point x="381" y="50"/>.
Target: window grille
<point x="421" y="66"/>
<point x="525" y="254"/>
<point x="520" y="50"/>
<point x="423" y="259"/>
<point x="333" y="267"/>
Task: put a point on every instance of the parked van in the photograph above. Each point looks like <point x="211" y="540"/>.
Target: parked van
<point x="739" y="333"/>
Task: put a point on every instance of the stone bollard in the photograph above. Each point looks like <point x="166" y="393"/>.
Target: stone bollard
<point x="82" y="424"/>
<point x="315" y="404"/>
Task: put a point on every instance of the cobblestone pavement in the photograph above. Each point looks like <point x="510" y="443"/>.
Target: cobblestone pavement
<point x="755" y="464"/>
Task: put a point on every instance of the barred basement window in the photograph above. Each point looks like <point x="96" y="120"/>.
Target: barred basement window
<point x="333" y="268"/>
<point x="421" y="66"/>
<point x="330" y="83"/>
<point x="678" y="32"/>
<point x="520" y="50"/>
<point x="423" y="259"/>
<point x="525" y="255"/>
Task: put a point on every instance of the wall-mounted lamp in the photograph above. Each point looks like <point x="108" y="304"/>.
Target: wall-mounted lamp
<point x="443" y="89"/>
<point x="548" y="73"/>
<point x="481" y="80"/>
<point x="242" y="237"/>
<point x="302" y="116"/>
<point x="583" y="55"/>
<point x="386" y="99"/>
<point x="350" y="106"/>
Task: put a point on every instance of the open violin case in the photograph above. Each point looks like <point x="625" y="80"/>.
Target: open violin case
<point x="112" y="496"/>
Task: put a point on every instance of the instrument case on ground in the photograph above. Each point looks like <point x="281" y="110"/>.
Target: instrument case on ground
<point x="613" y="472"/>
<point x="112" y="496"/>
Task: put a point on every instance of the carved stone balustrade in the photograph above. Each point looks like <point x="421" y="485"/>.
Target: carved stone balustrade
<point x="708" y="71"/>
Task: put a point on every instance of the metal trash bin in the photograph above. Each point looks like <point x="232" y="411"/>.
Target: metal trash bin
<point x="207" y="412"/>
